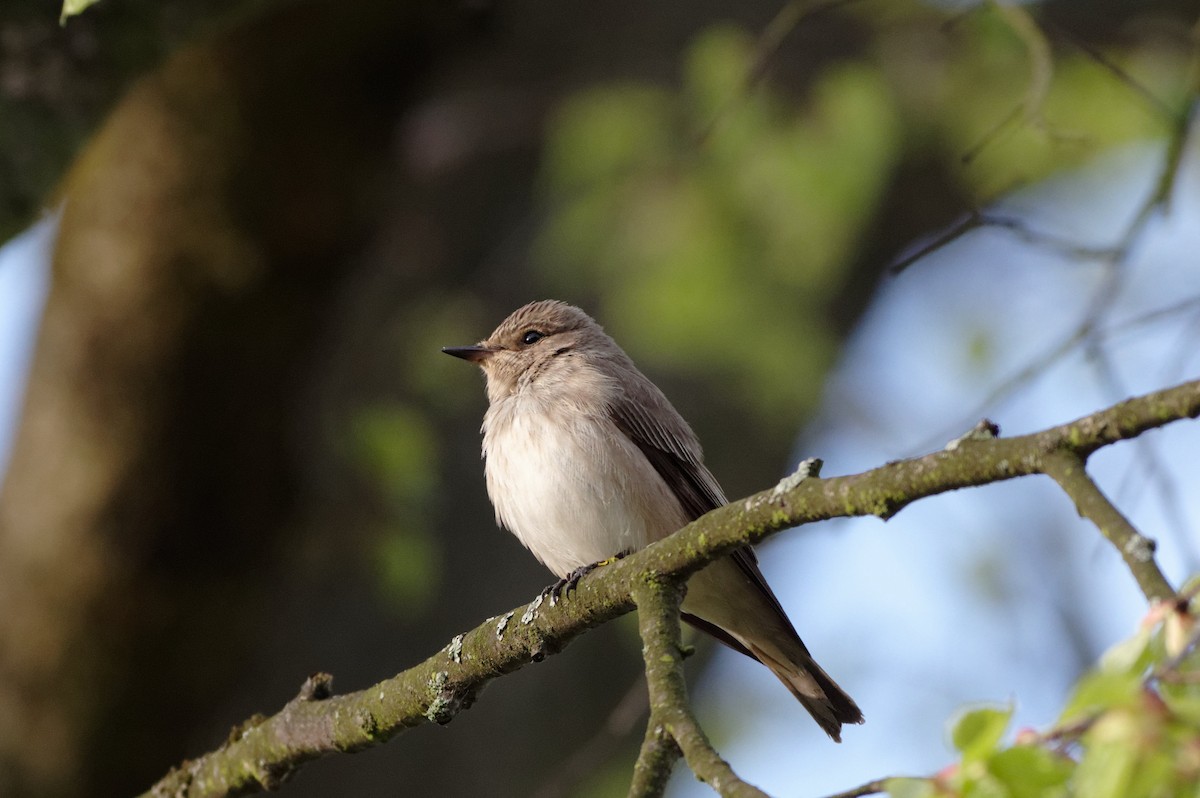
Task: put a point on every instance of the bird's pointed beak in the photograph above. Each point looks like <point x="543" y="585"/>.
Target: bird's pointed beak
<point x="477" y="353"/>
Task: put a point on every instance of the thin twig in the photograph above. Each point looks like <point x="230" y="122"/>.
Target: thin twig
<point x="1041" y="70"/>
<point x="976" y="220"/>
<point x="1063" y="734"/>
<point x="1115" y="256"/>
<point x="1041" y="60"/>
<point x="870" y="788"/>
<point x="789" y="17"/>
<point x="1151" y="100"/>
<point x="972" y="221"/>
<point x="1099" y="305"/>
<point x="1006" y="124"/>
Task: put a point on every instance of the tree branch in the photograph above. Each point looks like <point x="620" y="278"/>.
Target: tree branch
<point x="658" y="755"/>
<point x="263" y="753"/>
<point x="1067" y="469"/>
<point x="658" y="622"/>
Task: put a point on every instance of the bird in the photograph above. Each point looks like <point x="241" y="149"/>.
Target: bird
<point x="585" y="459"/>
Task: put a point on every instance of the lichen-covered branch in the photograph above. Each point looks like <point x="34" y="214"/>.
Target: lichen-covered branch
<point x="658" y="622"/>
<point x="658" y="755"/>
<point x="263" y="752"/>
<point x="1067" y="469"/>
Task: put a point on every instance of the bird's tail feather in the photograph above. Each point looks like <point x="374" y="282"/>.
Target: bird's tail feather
<point x="829" y="704"/>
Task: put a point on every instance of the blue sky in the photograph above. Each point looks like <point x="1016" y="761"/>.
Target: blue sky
<point x="24" y="282"/>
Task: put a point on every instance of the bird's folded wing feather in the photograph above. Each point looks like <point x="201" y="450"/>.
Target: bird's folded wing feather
<point x="676" y="458"/>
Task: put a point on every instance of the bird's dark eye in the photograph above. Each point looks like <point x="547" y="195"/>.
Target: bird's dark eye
<point x="531" y="337"/>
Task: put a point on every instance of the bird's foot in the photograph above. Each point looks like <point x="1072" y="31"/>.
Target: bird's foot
<point x="563" y="587"/>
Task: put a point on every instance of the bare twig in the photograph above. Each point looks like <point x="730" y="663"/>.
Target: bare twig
<point x="1007" y="124"/>
<point x="779" y="28"/>
<point x="1041" y="70"/>
<point x="1062" y="735"/>
<point x="1113" y="257"/>
<point x="789" y="17"/>
<point x="972" y="221"/>
<point x="1160" y="108"/>
<point x="976" y="220"/>
<point x="1041" y="62"/>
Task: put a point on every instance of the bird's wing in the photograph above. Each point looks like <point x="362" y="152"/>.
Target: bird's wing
<point x="675" y="457"/>
<point x="677" y="461"/>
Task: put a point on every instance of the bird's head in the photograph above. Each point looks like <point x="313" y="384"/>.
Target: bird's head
<point x="539" y="343"/>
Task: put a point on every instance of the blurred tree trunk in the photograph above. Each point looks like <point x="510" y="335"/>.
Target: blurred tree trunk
<point x="150" y="486"/>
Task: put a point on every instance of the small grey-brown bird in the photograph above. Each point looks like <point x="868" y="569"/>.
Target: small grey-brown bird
<point x="586" y="459"/>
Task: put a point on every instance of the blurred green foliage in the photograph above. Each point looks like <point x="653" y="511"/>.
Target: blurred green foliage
<point x="1130" y="730"/>
<point x="1015" y="118"/>
<point x="395" y="448"/>
<point x="690" y="211"/>
<point x="686" y="243"/>
<point x="72" y="7"/>
<point x="431" y="321"/>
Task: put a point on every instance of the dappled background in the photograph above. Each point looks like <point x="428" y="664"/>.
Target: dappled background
<point x="240" y="457"/>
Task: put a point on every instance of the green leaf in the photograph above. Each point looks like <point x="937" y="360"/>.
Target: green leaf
<point x="1031" y="772"/>
<point x="1184" y="703"/>
<point x="977" y="732"/>
<point x="1101" y="690"/>
<point x="984" y="787"/>
<point x="1128" y="656"/>
<point x="1155" y="774"/>
<point x="72" y="7"/>
<point x="1106" y="771"/>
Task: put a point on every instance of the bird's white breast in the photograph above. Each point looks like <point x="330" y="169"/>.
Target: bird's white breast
<point x="569" y="484"/>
